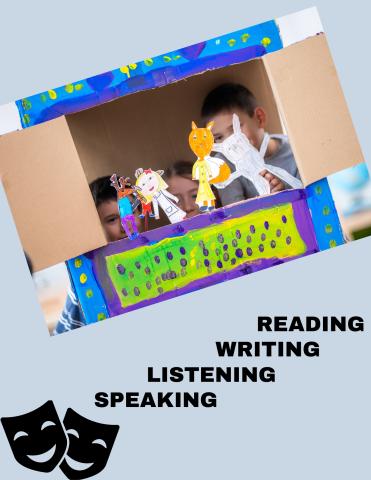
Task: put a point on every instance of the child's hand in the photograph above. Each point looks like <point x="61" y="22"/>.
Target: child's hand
<point x="275" y="184"/>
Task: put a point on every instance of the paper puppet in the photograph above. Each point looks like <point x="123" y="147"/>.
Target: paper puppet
<point x="146" y="207"/>
<point x="206" y="170"/>
<point x="90" y="445"/>
<point x="249" y="162"/>
<point x="124" y="188"/>
<point x="37" y="438"/>
<point x="154" y="189"/>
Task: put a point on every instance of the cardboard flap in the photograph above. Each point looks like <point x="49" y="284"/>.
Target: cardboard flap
<point x="48" y="194"/>
<point x="313" y="108"/>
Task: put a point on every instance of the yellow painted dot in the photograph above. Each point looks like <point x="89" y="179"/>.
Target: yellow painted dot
<point x="266" y="41"/>
<point x="101" y="316"/>
<point x="52" y="94"/>
<point x="43" y="97"/>
<point x="177" y="57"/>
<point x="245" y="37"/>
<point x="78" y="86"/>
<point x="318" y="190"/>
<point x="132" y="66"/>
<point x="149" y="62"/>
<point x="231" y="42"/>
<point x="328" y="228"/>
<point x="78" y="262"/>
<point x="166" y="58"/>
<point x="83" y="278"/>
<point x="333" y="243"/>
<point x="26" y="104"/>
<point x="26" y="118"/>
<point x="69" y="88"/>
<point x="125" y="70"/>
<point x="89" y="293"/>
<point x="192" y="262"/>
<point x="326" y="210"/>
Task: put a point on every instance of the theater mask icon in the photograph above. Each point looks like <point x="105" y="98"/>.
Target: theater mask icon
<point x="90" y="445"/>
<point x="37" y="438"/>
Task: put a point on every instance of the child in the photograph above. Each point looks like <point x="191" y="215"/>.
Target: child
<point x="105" y="199"/>
<point x="219" y="106"/>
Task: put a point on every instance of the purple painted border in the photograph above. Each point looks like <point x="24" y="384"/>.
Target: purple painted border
<point x="302" y="218"/>
<point x="200" y="221"/>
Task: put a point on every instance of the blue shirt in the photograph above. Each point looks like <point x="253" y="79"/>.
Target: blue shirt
<point x="71" y="316"/>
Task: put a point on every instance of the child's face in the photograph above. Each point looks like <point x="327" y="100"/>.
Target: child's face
<point x="110" y="220"/>
<point x="186" y="190"/>
<point x="252" y="127"/>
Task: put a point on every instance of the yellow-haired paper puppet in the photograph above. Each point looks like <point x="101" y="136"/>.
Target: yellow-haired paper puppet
<point x="206" y="170"/>
<point x="153" y="189"/>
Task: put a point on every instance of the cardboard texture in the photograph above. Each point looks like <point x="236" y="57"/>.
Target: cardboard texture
<point x="313" y="107"/>
<point x="48" y="194"/>
<point x="151" y="128"/>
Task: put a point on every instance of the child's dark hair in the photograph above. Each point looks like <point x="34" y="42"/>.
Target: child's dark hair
<point x="102" y="190"/>
<point x="227" y="97"/>
<point x="182" y="168"/>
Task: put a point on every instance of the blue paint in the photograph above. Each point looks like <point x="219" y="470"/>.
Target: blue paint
<point x="87" y="290"/>
<point x="324" y="215"/>
<point x="218" y="52"/>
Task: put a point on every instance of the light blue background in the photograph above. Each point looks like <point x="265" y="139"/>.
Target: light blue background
<point x="314" y="422"/>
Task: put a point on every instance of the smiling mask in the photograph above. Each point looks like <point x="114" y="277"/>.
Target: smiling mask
<point x="37" y="438"/>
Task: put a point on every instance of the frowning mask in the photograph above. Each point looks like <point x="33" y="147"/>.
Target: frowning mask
<point x="89" y="448"/>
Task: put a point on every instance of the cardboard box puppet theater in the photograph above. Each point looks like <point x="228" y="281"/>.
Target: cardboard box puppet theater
<point x="51" y="163"/>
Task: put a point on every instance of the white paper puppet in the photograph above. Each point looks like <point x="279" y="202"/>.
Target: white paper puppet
<point x="154" y="189"/>
<point x="249" y="162"/>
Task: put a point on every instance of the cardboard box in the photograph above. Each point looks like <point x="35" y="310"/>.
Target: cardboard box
<point x="46" y="169"/>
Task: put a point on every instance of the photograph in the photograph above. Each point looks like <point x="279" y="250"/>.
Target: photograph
<point x="184" y="170"/>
